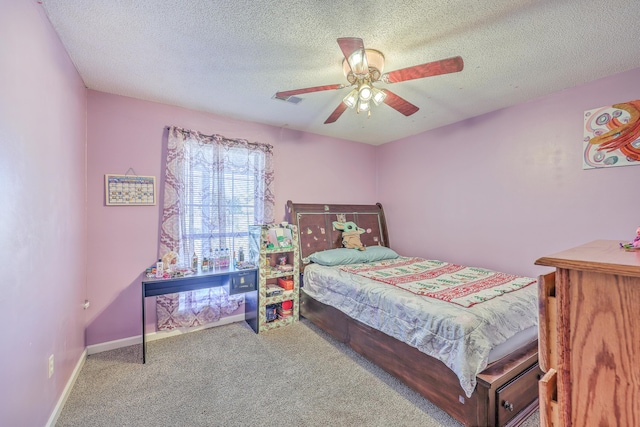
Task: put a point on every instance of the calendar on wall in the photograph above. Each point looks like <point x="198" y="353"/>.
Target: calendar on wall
<point x="130" y="190"/>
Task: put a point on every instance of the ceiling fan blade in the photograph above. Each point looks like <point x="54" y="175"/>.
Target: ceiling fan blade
<point x="288" y="93"/>
<point x="336" y="113"/>
<point x="353" y="50"/>
<point x="444" y="66"/>
<point x="398" y="103"/>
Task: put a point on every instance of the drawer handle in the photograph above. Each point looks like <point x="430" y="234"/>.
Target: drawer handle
<point x="508" y="406"/>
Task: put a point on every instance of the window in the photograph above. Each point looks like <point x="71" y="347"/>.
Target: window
<point x="214" y="189"/>
<point x="220" y="205"/>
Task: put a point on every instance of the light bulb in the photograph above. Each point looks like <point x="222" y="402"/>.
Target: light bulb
<point x="351" y="99"/>
<point x="365" y="92"/>
<point x="363" y="106"/>
<point x="378" y="96"/>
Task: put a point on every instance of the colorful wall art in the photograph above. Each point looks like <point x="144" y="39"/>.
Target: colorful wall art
<point x="612" y="136"/>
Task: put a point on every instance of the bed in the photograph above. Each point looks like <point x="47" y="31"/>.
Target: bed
<point x="503" y="392"/>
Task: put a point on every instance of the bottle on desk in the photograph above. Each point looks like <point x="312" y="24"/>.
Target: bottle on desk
<point x="205" y="264"/>
<point x="194" y="262"/>
<point x="159" y="268"/>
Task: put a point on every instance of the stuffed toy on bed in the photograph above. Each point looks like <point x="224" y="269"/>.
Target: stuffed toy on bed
<point x="350" y="234"/>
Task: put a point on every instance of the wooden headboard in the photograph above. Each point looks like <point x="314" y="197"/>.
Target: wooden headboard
<point x="315" y="225"/>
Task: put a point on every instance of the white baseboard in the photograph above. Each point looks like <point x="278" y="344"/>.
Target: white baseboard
<point x="53" y="418"/>
<point x="125" y="342"/>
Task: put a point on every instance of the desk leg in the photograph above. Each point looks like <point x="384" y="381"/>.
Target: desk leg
<point x="144" y="345"/>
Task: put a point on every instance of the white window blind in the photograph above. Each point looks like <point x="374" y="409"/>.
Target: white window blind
<point x="220" y="203"/>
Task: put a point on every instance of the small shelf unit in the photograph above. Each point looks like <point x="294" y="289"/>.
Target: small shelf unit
<point x="274" y="247"/>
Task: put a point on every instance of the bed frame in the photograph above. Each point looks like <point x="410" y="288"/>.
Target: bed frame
<point x="507" y="390"/>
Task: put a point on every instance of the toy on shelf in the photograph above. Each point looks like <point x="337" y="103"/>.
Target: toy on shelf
<point x="633" y="245"/>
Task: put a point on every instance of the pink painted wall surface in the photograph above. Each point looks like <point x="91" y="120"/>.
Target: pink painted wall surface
<point x="42" y="214"/>
<point x="127" y="133"/>
<point x="506" y="188"/>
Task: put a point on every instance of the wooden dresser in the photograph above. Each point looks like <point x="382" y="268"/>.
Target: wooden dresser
<point x="589" y="343"/>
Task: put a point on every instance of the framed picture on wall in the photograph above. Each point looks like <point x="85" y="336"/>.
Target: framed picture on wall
<point x="129" y="190"/>
<point x="612" y="136"/>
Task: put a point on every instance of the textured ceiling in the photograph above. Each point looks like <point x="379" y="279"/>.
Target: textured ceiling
<point x="230" y="57"/>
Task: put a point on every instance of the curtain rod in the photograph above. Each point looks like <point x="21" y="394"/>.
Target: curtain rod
<point x="211" y="136"/>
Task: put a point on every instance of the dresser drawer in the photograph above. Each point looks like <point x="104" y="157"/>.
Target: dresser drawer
<point x="242" y="282"/>
<point x="548" y="390"/>
<point x="548" y="323"/>
<point x="517" y="394"/>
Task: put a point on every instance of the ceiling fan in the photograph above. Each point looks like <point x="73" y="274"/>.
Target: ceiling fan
<point x="363" y="67"/>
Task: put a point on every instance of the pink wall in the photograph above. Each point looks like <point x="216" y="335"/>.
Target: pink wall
<point x="123" y="241"/>
<point x="506" y="188"/>
<point x="42" y="214"/>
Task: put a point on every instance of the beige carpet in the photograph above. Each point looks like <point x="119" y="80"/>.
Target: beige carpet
<point x="230" y="376"/>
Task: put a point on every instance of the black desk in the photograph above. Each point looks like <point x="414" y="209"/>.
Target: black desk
<point x="239" y="281"/>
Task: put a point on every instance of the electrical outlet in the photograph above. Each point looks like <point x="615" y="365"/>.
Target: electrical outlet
<point x="50" y="366"/>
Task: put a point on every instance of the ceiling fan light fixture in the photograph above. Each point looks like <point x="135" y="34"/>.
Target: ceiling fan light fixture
<point x="351" y="99"/>
<point x="378" y="95"/>
<point x="365" y="92"/>
<point x="363" y="106"/>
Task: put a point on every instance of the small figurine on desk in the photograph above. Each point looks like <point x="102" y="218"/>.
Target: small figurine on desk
<point x="170" y="261"/>
<point x="634" y="245"/>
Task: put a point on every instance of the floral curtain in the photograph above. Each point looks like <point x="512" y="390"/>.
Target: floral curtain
<point x="214" y="189"/>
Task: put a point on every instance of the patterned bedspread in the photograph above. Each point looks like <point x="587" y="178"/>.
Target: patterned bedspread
<point x="461" y="337"/>
<point x="453" y="283"/>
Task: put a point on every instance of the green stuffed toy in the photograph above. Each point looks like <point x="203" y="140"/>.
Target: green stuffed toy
<point x="350" y="234"/>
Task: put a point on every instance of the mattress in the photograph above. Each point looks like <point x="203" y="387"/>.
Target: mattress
<point x="465" y="339"/>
